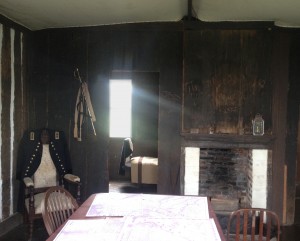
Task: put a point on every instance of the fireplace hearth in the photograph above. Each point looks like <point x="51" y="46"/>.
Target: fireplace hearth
<point x="231" y="177"/>
<point x="223" y="172"/>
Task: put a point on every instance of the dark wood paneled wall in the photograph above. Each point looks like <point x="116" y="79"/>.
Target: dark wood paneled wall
<point x="292" y="160"/>
<point x="14" y="111"/>
<point x="279" y="75"/>
<point x="98" y="52"/>
<point x="238" y="74"/>
<point x="227" y="77"/>
<point x="263" y="60"/>
<point x="5" y="121"/>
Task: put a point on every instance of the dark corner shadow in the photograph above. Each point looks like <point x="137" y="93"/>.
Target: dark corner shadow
<point x="135" y="188"/>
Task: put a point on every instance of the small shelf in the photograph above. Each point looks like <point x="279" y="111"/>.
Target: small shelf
<point x="227" y="141"/>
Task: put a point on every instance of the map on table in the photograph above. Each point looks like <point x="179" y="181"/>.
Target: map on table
<point x="139" y="228"/>
<point x="159" y="206"/>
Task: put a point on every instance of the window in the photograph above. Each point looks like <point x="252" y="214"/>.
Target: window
<point x="120" y="103"/>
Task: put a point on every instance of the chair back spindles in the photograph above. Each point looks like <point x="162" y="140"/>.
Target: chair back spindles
<point x="245" y="221"/>
<point x="255" y="224"/>
<point x="253" y="220"/>
<point x="58" y="205"/>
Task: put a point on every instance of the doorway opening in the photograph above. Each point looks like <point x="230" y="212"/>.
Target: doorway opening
<point x="144" y="120"/>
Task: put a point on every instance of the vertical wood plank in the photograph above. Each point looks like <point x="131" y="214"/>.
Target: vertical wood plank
<point x="5" y="120"/>
<point x="279" y="74"/>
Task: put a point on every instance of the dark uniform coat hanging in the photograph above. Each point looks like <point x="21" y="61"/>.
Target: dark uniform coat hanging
<point x="30" y="154"/>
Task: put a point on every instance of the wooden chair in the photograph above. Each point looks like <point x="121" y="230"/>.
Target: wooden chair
<point x="34" y="196"/>
<point x="255" y="224"/>
<point x="57" y="206"/>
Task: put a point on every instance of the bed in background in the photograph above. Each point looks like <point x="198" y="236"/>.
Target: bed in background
<point x="144" y="169"/>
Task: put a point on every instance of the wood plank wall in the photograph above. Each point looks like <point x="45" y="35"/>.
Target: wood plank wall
<point x="13" y="110"/>
<point x="292" y="160"/>
<point x="238" y="72"/>
<point x="227" y="76"/>
<point x="160" y="48"/>
<point x="96" y="52"/>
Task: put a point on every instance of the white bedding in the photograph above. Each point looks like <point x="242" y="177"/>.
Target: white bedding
<point x="144" y="170"/>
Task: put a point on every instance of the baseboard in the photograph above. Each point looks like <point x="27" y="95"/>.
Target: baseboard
<point x="10" y="223"/>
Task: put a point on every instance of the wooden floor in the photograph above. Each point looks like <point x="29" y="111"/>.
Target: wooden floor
<point x="289" y="233"/>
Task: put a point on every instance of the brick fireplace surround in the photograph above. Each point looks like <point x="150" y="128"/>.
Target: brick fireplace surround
<point x="232" y="174"/>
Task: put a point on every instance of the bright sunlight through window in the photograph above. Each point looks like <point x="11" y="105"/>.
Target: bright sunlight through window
<point x="120" y="108"/>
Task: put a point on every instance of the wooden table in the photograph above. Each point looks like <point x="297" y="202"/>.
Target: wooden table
<point x="146" y="217"/>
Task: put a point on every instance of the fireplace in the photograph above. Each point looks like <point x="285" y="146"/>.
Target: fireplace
<point x="223" y="172"/>
<point x="231" y="175"/>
